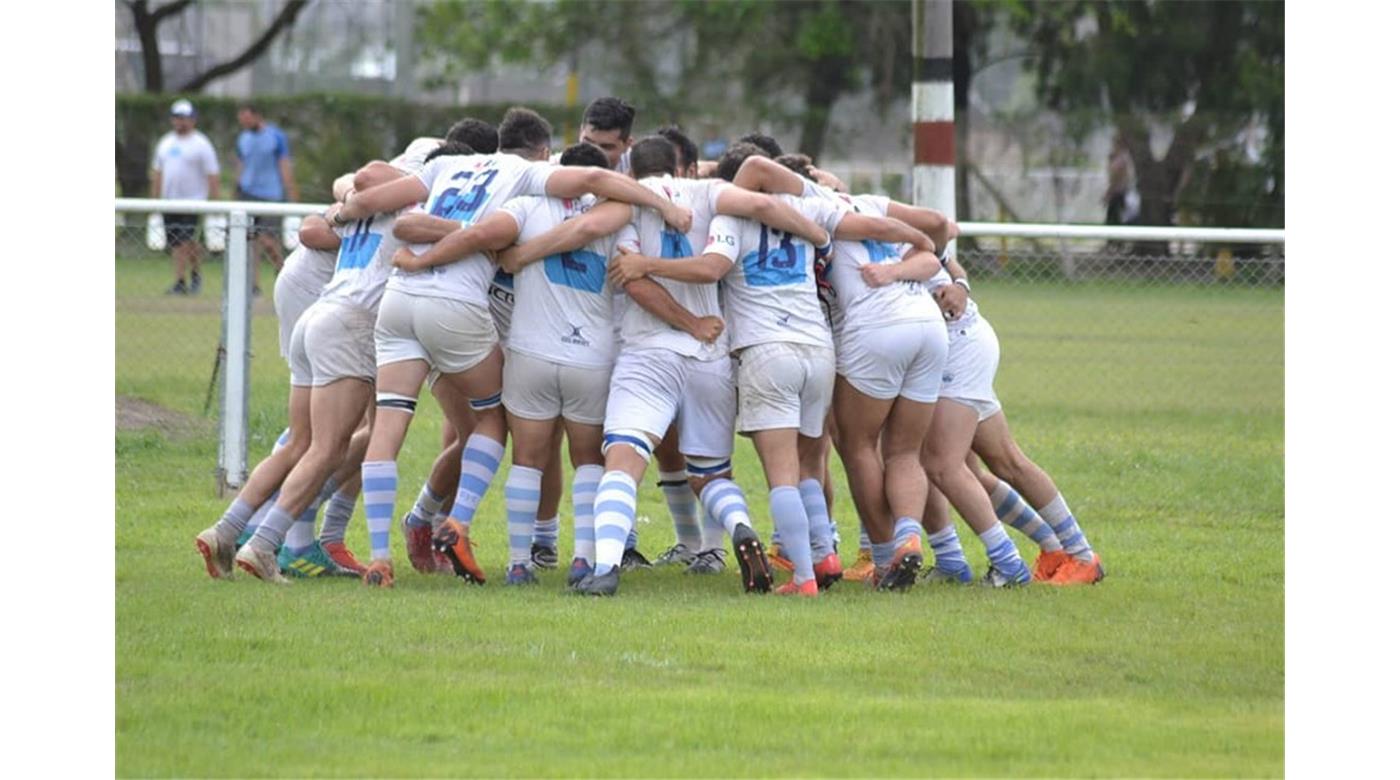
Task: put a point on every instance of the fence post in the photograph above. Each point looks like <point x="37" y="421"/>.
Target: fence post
<point x="233" y="414"/>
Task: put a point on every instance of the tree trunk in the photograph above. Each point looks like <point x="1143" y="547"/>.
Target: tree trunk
<point x="133" y="167"/>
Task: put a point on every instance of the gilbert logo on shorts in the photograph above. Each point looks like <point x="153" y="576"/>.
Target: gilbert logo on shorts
<point x="576" y="337"/>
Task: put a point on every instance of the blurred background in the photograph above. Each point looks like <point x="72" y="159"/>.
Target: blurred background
<point x="1099" y="113"/>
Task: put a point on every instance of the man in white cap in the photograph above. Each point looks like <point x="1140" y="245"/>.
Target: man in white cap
<point x="184" y="168"/>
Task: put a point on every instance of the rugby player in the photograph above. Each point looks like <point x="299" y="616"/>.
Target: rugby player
<point x="439" y="317"/>
<point x="783" y="346"/>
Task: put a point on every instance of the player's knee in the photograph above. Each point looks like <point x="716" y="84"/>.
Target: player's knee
<point x="703" y="471"/>
<point x="395" y="402"/>
<point x="633" y="442"/>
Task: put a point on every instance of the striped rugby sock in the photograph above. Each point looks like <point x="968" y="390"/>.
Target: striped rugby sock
<point x="380" y="479"/>
<point x="685" y="515"/>
<point x="614" y="512"/>
<point x="480" y="460"/>
<point x="522" y="504"/>
<point x="790" y="518"/>
<point x="1057" y="514"/>
<point x="1015" y="512"/>
<point x="585" y="492"/>
<point x="724" y="501"/>
<point x="547" y="532"/>
<point x="948" y="553"/>
<point x="711" y="532"/>
<point x="1001" y="551"/>
<point x="818" y="523"/>
<point x="427" y="505"/>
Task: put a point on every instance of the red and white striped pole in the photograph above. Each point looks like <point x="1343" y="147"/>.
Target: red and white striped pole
<point x="935" y="152"/>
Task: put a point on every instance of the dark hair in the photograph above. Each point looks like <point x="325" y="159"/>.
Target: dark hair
<point x="732" y="158"/>
<point x="475" y="133"/>
<point x="247" y="105"/>
<point x="653" y="156"/>
<point x="523" y="130"/>
<point x="585" y="155"/>
<point x="610" y="113"/>
<point x="799" y="164"/>
<point x="686" y="149"/>
<point x="447" y="148"/>
<point x="764" y="142"/>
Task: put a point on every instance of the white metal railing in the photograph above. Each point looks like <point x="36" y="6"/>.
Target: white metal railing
<point x="237" y="301"/>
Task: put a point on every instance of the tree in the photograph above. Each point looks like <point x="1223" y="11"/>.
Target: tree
<point x="1206" y="70"/>
<point x="133" y="154"/>
<point x="791" y="60"/>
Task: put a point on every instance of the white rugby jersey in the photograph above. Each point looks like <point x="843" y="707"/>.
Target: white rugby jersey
<point x="640" y="328"/>
<point x="857" y="305"/>
<point x="563" y="303"/>
<point x="367" y="248"/>
<point x="415" y="153"/>
<point x="770" y="295"/>
<point x="467" y="188"/>
<point x="307" y="269"/>
<point x="969" y="315"/>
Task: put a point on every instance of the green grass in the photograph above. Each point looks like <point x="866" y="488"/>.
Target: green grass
<point x="1158" y="410"/>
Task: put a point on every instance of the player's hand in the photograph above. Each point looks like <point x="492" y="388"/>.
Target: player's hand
<point x="952" y="300"/>
<point x="825" y="248"/>
<point x="678" y="217"/>
<point x="878" y="274"/>
<point x="707" y="329"/>
<point x="627" y="267"/>
<point x="509" y="257"/>
<point x="333" y="212"/>
<point x="828" y="179"/>
<point x="405" y="260"/>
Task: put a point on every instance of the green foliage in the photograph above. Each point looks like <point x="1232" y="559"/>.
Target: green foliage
<point x="329" y="133"/>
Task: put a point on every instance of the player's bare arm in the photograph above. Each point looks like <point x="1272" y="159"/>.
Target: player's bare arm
<point x="858" y="227"/>
<point x="316" y="233"/>
<point x="656" y="300"/>
<point x="740" y="202"/>
<point x="496" y="232"/>
<point x="602" y="220"/>
<point x="952" y="298"/>
<point x="916" y="266"/>
<point x="576" y="182"/>
<point x="761" y="174"/>
<point x="424" y="228"/>
<point x="628" y="266"/>
<point x="389" y="196"/>
<point x="933" y="223"/>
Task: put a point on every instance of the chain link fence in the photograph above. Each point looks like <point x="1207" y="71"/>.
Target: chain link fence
<point x="1087" y="327"/>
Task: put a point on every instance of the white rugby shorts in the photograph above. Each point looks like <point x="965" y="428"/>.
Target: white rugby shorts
<point x="332" y="341"/>
<point x="451" y="336"/>
<point x="973" y="356"/>
<point x="646" y="390"/>
<point x="290" y="302"/>
<point x="784" y="385"/>
<point x="538" y="389"/>
<point x="708" y="408"/>
<point x="904" y="359"/>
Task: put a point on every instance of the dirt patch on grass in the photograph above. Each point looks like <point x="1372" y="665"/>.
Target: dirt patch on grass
<point x="134" y="414"/>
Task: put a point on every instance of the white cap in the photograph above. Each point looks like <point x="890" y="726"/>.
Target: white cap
<point x="181" y="107"/>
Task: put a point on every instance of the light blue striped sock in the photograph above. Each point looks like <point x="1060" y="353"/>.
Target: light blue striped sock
<point x="480" y="460"/>
<point x="547" y="532"/>
<point x="631" y="543"/>
<point x="585" y="493"/>
<point x="1057" y="514"/>
<point x="1015" y="512"/>
<point x="614" y="512"/>
<point x="427" y="505"/>
<point x="522" y="504"/>
<point x="883" y="553"/>
<point x="1001" y="551"/>
<point x="724" y="501"/>
<point x="273" y="529"/>
<point x="711" y="532"/>
<point x="818" y="522"/>
<point x="790" y="518"/>
<point x="947" y="551"/>
<point x="906" y="527"/>
<point x="380" y="479"/>
<point x="338" y="512"/>
<point x="864" y="538"/>
<point x="685" y="512"/>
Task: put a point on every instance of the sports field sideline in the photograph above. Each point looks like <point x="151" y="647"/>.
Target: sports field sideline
<point x="1162" y="427"/>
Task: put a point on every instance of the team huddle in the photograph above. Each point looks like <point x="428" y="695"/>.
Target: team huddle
<point x="612" y="298"/>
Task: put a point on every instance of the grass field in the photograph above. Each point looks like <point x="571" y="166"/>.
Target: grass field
<point x="1158" y="410"/>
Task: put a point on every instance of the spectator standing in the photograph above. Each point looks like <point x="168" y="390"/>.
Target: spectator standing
<point x="184" y="168"/>
<point x="265" y="174"/>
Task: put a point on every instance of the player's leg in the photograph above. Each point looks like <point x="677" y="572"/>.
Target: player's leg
<point x="993" y="442"/>
<point x="949" y="561"/>
<point x="430" y="508"/>
<point x="585" y="402"/>
<point x="341" y="502"/>
<point x="218" y="543"/>
<point x="906" y="487"/>
<point x="336" y="409"/>
<point x="859" y="420"/>
<point x="544" y="544"/>
<point x="944" y="460"/>
<point x="680" y="500"/>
